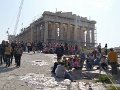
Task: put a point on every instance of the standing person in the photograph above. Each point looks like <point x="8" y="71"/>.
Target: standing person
<point x="1" y="51"/>
<point x="99" y="48"/>
<point x="18" y="53"/>
<point x="59" y="52"/>
<point x="82" y="58"/>
<point x="33" y="47"/>
<point x="29" y="46"/>
<point x="66" y="49"/>
<point x="40" y="46"/>
<point x="76" y="49"/>
<point x="12" y="53"/>
<point x="8" y="50"/>
<point x="105" y="49"/>
<point x="113" y="59"/>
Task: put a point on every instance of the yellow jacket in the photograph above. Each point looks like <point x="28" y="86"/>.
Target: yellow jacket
<point x="112" y="56"/>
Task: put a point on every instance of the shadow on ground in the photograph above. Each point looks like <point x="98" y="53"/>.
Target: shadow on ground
<point x="3" y="69"/>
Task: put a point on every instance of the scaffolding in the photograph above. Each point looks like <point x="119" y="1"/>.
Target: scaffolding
<point x="95" y="35"/>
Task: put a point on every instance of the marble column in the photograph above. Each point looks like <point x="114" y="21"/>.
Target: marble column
<point x="69" y="32"/>
<point x="46" y="32"/>
<point x="82" y="35"/>
<point x="75" y="33"/>
<point x="53" y="28"/>
<point x="92" y="36"/>
<point x="61" y="31"/>
<point x="37" y="33"/>
<point x="31" y="39"/>
<point x="88" y="37"/>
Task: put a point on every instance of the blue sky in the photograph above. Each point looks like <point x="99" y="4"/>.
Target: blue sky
<point x="105" y="12"/>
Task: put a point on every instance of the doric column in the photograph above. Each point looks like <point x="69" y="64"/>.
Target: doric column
<point x="37" y="33"/>
<point x="69" y="32"/>
<point x="75" y="33"/>
<point x="61" y="31"/>
<point x="31" y="39"/>
<point x="83" y="36"/>
<point x="53" y="28"/>
<point x="88" y="37"/>
<point x="46" y="32"/>
<point x="40" y="34"/>
<point x="79" y="34"/>
<point x="92" y="36"/>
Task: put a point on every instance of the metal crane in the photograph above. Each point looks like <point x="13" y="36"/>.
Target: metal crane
<point x="12" y="37"/>
<point x="18" y="17"/>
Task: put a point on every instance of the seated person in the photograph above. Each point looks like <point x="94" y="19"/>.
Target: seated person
<point x="68" y="63"/>
<point x="61" y="72"/>
<point x="76" y="63"/>
<point x="54" y="67"/>
<point x="104" y="63"/>
<point x="89" y="65"/>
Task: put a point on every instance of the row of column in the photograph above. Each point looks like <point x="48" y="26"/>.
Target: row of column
<point x="67" y="32"/>
<point x="53" y="32"/>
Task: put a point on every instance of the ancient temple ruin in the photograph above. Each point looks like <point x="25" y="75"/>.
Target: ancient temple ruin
<point x="60" y="27"/>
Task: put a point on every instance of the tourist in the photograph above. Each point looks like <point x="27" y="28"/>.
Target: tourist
<point x="89" y="62"/>
<point x="18" y="54"/>
<point x="1" y="51"/>
<point x="61" y="72"/>
<point x="13" y="44"/>
<point x="29" y="46"/>
<point x="105" y="49"/>
<point x="55" y="66"/>
<point x="113" y="60"/>
<point x="104" y="63"/>
<point x="59" y="52"/>
<point x="33" y="47"/>
<point x="40" y="46"/>
<point x="66" y="49"/>
<point x="99" y="48"/>
<point x="8" y="50"/>
<point x="82" y="58"/>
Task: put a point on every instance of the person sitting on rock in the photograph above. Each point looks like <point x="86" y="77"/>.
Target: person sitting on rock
<point x="61" y="72"/>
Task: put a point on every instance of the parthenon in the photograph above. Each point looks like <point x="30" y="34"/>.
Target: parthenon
<point x="60" y="27"/>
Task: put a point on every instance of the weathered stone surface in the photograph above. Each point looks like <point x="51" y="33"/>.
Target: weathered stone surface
<point x="32" y="76"/>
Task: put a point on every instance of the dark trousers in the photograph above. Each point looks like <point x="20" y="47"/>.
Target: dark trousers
<point x="29" y="47"/>
<point x="1" y="59"/>
<point x="18" y="59"/>
<point x="7" y="59"/>
<point x="104" y="66"/>
<point x="54" y="67"/>
<point x="68" y="76"/>
<point x="11" y="58"/>
<point x="114" y="67"/>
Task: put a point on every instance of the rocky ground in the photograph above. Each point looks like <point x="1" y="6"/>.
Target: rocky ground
<point x="35" y="74"/>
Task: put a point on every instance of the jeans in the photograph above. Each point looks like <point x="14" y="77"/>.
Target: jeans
<point x="7" y="58"/>
<point x="114" y="67"/>
<point x="68" y="76"/>
<point x="18" y="59"/>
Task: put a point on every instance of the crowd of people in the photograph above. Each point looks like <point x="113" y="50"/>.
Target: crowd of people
<point x="8" y="51"/>
<point x="96" y="57"/>
<point x="77" y="56"/>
